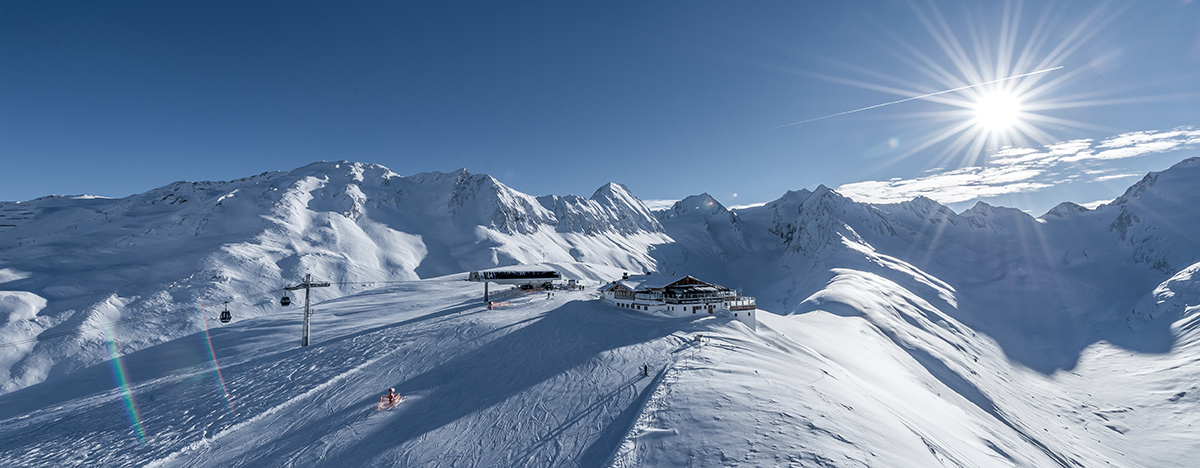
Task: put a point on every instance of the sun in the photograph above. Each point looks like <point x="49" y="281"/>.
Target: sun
<point x="997" y="85"/>
<point x="997" y="111"/>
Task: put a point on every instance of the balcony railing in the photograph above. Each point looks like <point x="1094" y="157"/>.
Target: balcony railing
<point x="699" y="298"/>
<point x="743" y="303"/>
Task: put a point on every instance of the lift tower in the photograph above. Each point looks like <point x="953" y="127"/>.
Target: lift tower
<point x="306" y="285"/>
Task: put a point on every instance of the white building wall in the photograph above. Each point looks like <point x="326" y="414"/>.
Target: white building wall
<point x="748" y="317"/>
<point x="640" y="305"/>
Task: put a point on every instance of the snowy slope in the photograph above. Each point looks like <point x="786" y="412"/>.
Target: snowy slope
<point x="892" y="335"/>
<point x="73" y="263"/>
<point x="482" y="387"/>
<point x="1015" y="322"/>
<point x="1046" y="288"/>
<point x="557" y="382"/>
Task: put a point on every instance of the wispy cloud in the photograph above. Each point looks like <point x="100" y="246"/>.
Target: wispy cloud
<point x="1114" y="177"/>
<point x="1134" y="144"/>
<point x="1096" y="204"/>
<point x="742" y="207"/>
<point x="658" y="205"/>
<point x="949" y="187"/>
<point x="1018" y="170"/>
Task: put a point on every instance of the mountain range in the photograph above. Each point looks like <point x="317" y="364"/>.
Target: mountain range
<point x="1038" y="329"/>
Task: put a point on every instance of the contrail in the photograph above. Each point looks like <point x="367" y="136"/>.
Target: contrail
<point x="923" y="96"/>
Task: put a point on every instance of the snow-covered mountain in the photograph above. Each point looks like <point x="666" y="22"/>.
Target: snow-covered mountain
<point x="892" y="335"/>
<point x="1072" y="275"/>
<point x="1027" y="320"/>
<point x="75" y="262"/>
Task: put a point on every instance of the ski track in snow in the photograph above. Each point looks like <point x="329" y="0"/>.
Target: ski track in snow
<point x="547" y="382"/>
<point x="306" y="396"/>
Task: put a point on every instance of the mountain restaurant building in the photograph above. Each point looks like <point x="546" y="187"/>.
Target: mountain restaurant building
<point x="675" y="295"/>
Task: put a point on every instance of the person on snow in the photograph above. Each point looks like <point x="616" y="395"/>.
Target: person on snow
<point x="392" y="396"/>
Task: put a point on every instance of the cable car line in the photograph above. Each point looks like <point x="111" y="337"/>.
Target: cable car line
<point x="142" y="318"/>
<point x="145" y="318"/>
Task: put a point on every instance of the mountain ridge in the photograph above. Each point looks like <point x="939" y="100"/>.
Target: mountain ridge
<point x="986" y="333"/>
<point x="348" y="220"/>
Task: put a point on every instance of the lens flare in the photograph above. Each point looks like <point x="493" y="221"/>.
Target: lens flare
<point x="213" y="355"/>
<point x="990" y="87"/>
<point x="122" y="381"/>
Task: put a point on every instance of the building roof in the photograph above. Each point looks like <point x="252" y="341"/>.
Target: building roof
<point x="638" y="283"/>
<point x="538" y="267"/>
<point x="516" y="274"/>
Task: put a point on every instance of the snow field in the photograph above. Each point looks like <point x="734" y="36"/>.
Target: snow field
<point x="911" y="335"/>
<point x="542" y="383"/>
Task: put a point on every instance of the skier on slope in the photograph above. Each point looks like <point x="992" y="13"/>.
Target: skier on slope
<point x="388" y="401"/>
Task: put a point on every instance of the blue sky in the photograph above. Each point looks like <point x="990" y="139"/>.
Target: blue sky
<point x="669" y="98"/>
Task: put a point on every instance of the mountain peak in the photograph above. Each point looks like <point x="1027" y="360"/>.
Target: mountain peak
<point x="1177" y="179"/>
<point x="612" y="190"/>
<point x="613" y="207"/>
<point x="703" y="204"/>
<point x="1066" y="210"/>
<point x="347" y="170"/>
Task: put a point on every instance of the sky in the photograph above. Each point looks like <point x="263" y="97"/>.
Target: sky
<point x="1023" y="104"/>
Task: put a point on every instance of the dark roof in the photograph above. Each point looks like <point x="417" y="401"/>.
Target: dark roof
<point x="639" y="283"/>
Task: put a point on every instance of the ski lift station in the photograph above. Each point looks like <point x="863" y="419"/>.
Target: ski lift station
<point x="524" y="276"/>
<point x="678" y="295"/>
<point x="519" y="275"/>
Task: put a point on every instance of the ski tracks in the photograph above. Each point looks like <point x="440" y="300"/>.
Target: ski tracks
<point x="207" y="444"/>
<point x="646" y="411"/>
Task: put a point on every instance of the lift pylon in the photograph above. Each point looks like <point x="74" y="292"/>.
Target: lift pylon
<point x="306" y="286"/>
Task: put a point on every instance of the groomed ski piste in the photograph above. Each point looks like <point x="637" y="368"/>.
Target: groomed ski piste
<point x="540" y="382"/>
<point x="558" y="382"/>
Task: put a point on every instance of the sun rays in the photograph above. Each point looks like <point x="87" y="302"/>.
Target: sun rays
<point x="988" y="73"/>
<point x="976" y="49"/>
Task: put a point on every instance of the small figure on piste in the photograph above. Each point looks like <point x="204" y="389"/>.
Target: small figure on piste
<point x="389" y="400"/>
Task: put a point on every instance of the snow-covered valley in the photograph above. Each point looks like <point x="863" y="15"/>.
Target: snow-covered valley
<point x="889" y="335"/>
